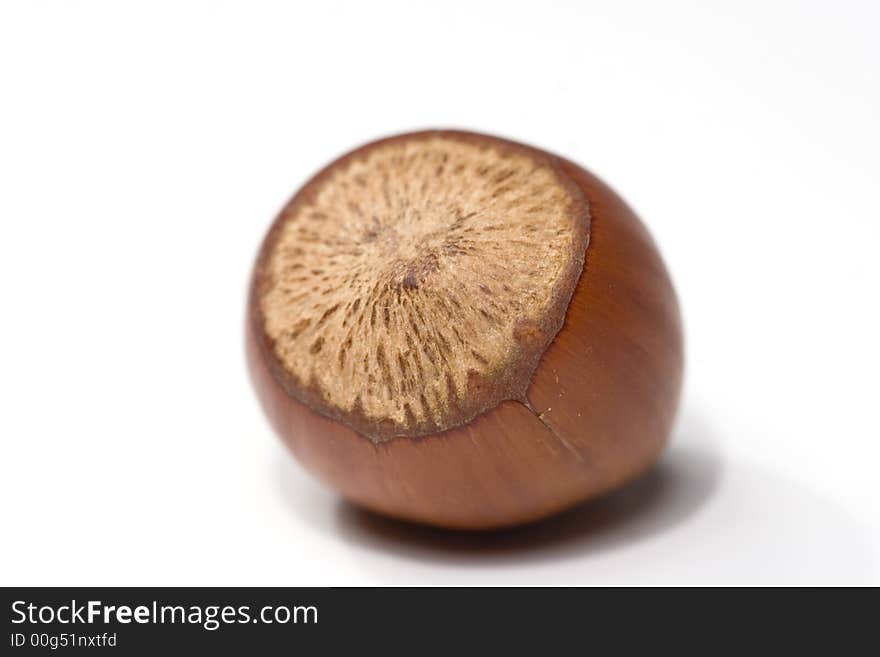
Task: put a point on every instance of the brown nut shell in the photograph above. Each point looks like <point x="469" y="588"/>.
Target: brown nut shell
<point x="596" y="412"/>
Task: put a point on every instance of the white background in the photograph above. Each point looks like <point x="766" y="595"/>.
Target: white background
<point x="145" y="149"/>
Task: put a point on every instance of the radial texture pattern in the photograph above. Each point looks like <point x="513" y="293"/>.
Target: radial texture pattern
<point x="416" y="282"/>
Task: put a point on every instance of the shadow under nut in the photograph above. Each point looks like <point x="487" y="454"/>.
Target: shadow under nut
<point x="595" y="413"/>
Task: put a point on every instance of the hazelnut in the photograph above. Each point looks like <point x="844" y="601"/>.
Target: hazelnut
<point x="460" y="330"/>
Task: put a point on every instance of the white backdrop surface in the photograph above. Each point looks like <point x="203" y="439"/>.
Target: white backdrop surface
<point x="144" y="150"/>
